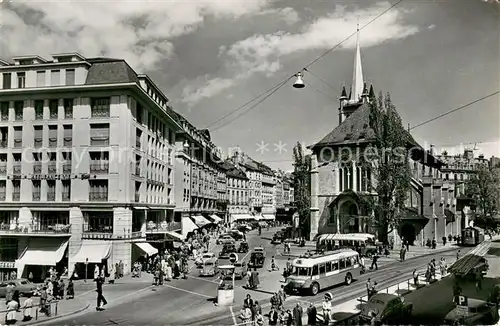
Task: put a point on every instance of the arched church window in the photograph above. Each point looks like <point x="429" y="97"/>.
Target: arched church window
<point x="341" y="179"/>
<point x="351" y="178"/>
<point x="359" y="177"/>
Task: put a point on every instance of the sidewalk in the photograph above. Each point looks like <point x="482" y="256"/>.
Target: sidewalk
<point x="85" y="298"/>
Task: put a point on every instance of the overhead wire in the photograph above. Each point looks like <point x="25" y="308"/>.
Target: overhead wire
<point x="280" y="84"/>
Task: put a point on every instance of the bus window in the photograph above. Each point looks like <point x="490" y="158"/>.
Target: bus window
<point x="348" y="262"/>
<point x="342" y="263"/>
<point x="335" y="265"/>
<point x="302" y="271"/>
<point x="328" y="266"/>
<point x="315" y="270"/>
<point x="322" y="268"/>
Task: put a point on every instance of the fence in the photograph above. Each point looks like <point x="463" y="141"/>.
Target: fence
<point x="35" y="311"/>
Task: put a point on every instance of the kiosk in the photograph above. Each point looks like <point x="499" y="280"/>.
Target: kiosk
<point x="225" y="289"/>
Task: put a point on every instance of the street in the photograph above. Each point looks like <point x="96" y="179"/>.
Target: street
<point x="191" y="302"/>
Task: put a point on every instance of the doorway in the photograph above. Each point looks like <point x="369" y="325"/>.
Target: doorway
<point x="408" y="233"/>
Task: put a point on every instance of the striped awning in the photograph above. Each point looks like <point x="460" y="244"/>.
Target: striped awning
<point x="269" y="217"/>
<point x="200" y="220"/>
<point x="215" y="218"/>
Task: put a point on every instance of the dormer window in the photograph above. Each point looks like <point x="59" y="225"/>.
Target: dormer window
<point x="21" y="80"/>
<point x="25" y="62"/>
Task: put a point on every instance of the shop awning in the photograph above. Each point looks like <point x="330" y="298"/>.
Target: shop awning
<point x="140" y="208"/>
<point x="176" y="236"/>
<point x="42" y="252"/>
<point x="187" y="226"/>
<point x="237" y="217"/>
<point x="200" y="220"/>
<point x="93" y="250"/>
<point x="269" y="217"/>
<point x="146" y="248"/>
<point x="258" y="217"/>
<point x="216" y="218"/>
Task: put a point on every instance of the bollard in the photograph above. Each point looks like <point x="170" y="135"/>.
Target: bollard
<point x="57" y="303"/>
<point x="36" y="312"/>
<point x="408" y="283"/>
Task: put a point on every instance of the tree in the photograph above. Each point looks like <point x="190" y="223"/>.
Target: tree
<point x="301" y="185"/>
<point x="388" y="158"/>
<point x="483" y="188"/>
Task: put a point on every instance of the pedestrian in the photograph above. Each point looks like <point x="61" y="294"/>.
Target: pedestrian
<point x="112" y="275"/>
<point x="297" y="314"/>
<point x="60" y="288"/>
<point x="9" y="290"/>
<point x="30" y="277"/>
<point x="289" y="318"/>
<point x="70" y="290"/>
<point x="121" y="268"/>
<point x="311" y="314"/>
<point x="434" y="244"/>
<point x="362" y="263"/>
<point x="248" y="302"/>
<point x="327" y="307"/>
<point x="27" y="307"/>
<point x="442" y="267"/>
<point x="282" y="296"/>
<point x="16" y="297"/>
<point x="458" y="254"/>
<point x="255" y="278"/>
<point x="101" y="300"/>
<point x="415" y="277"/>
<point x="44" y="298"/>
<point x="369" y="286"/>
<point x="273" y="316"/>
<point x="374" y="261"/>
<point x="259" y="319"/>
<point x="96" y="272"/>
<point x="12" y="307"/>
<point x="275" y="301"/>
<point x="479" y="281"/>
<point x="274" y="267"/>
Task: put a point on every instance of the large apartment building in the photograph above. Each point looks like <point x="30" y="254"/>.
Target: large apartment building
<point x="86" y="161"/>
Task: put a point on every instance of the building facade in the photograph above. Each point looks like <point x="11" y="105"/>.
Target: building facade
<point x="237" y="188"/>
<point x="198" y="166"/>
<point x="222" y="195"/>
<point x="86" y="154"/>
<point x="338" y="184"/>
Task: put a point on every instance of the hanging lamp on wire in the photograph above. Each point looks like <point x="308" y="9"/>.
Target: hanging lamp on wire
<point x="299" y="82"/>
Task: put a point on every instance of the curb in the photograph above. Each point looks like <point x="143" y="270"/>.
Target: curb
<point x="50" y="319"/>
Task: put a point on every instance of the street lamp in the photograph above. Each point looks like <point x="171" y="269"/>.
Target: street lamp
<point x="186" y="144"/>
<point x="299" y="82"/>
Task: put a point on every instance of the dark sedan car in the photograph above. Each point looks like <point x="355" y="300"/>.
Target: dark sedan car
<point x="387" y="309"/>
<point x="227" y="250"/>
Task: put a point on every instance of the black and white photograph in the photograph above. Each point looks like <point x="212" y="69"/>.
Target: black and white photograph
<point x="249" y="162"/>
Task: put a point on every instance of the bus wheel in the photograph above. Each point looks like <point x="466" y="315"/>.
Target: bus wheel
<point x="314" y="288"/>
<point x="348" y="279"/>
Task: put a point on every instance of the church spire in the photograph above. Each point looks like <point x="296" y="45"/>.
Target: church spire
<point x="357" y="78"/>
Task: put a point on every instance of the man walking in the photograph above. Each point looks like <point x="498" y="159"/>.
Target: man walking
<point x="101" y="300"/>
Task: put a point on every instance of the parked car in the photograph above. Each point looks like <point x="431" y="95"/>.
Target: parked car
<point x="224" y="239"/>
<point x="478" y="312"/>
<point x="208" y="256"/>
<point x="243" y="247"/>
<point x="389" y="309"/>
<point x="278" y="238"/>
<point x="209" y="266"/>
<point x="227" y="249"/>
<point x="22" y="285"/>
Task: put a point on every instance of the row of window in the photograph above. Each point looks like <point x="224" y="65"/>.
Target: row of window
<point x="19" y="78"/>
<point x="346" y="178"/>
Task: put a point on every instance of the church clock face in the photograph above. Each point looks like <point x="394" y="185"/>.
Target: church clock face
<point x="326" y="154"/>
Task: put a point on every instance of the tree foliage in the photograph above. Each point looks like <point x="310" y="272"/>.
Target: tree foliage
<point x="301" y="184"/>
<point x="389" y="162"/>
<point x="484" y="189"/>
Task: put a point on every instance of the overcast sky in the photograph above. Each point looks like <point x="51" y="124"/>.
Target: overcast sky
<point x="210" y="57"/>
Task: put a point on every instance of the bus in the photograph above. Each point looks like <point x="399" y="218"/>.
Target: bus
<point x="364" y="243"/>
<point x="320" y="272"/>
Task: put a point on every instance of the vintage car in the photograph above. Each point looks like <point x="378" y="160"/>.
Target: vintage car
<point x="22" y="285"/>
<point x="278" y="237"/>
<point x="224" y="239"/>
<point x="240" y="269"/>
<point x="209" y="266"/>
<point x="237" y="235"/>
<point x="477" y="312"/>
<point x="227" y="250"/>
<point x="243" y="247"/>
<point x="257" y="257"/>
<point x="388" y="309"/>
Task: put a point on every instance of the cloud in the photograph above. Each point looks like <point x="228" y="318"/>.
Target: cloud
<point x="432" y="26"/>
<point x="207" y="88"/>
<point x="140" y="32"/>
<point x="289" y="15"/>
<point x="261" y="53"/>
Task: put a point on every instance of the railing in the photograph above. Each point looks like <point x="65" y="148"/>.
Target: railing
<point x="172" y="226"/>
<point x="51" y="196"/>
<point x="66" y="168"/>
<point x="17" y="168"/>
<point x="31" y="228"/>
<point x="111" y="236"/>
<point x="16" y="196"/>
<point x="99" y="141"/>
<point x="53" y="114"/>
<point x="98" y="196"/>
<point x="37" y="168"/>
<point x="52" y="307"/>
<point x="3" y="195"/>
<point x="36" y="196"/>
<point x="100" y="113"/>
<point x="68" y="113"/>
<point x="137" y="171"/>
<point x="3" y="168"/>
<point x="7" y="264"/>
<point x="99" y="167"/>
<point x="52" y="169"/>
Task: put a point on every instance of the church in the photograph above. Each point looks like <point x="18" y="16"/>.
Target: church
<point x="338" y="187"/>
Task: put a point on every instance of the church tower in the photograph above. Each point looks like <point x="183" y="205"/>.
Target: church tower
<point x="359" y="93"/>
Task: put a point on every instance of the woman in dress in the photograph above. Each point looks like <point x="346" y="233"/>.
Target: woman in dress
<point x="70" y="291"/>
<point x="12" y="307"/>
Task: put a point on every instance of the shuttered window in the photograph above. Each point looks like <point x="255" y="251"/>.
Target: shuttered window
<point x="38" y="136"/>
<point x="40" y="78"/>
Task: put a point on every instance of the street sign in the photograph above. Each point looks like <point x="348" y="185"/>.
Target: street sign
<point x="461" y="300"/>
<point x="233" y="258"/>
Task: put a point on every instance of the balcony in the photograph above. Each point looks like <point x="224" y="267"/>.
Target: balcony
<point x="53" y="114"/>
<point x="98" y="196"/>
<point x="99" y="167"/>
<point x="163" y="227"/>
<point x="16" y="196"/>
<point x="100" y="113"/>
<point x="36" y="196"/>
<point x="51" y="196"/>
<point x="3" y="168"/>
<point x="106" y="233"/>
<point x="66" y="196"/>
<point x="68" y="113"/>
<point x="35" y="229"/>
<point x="137" y="171"/>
